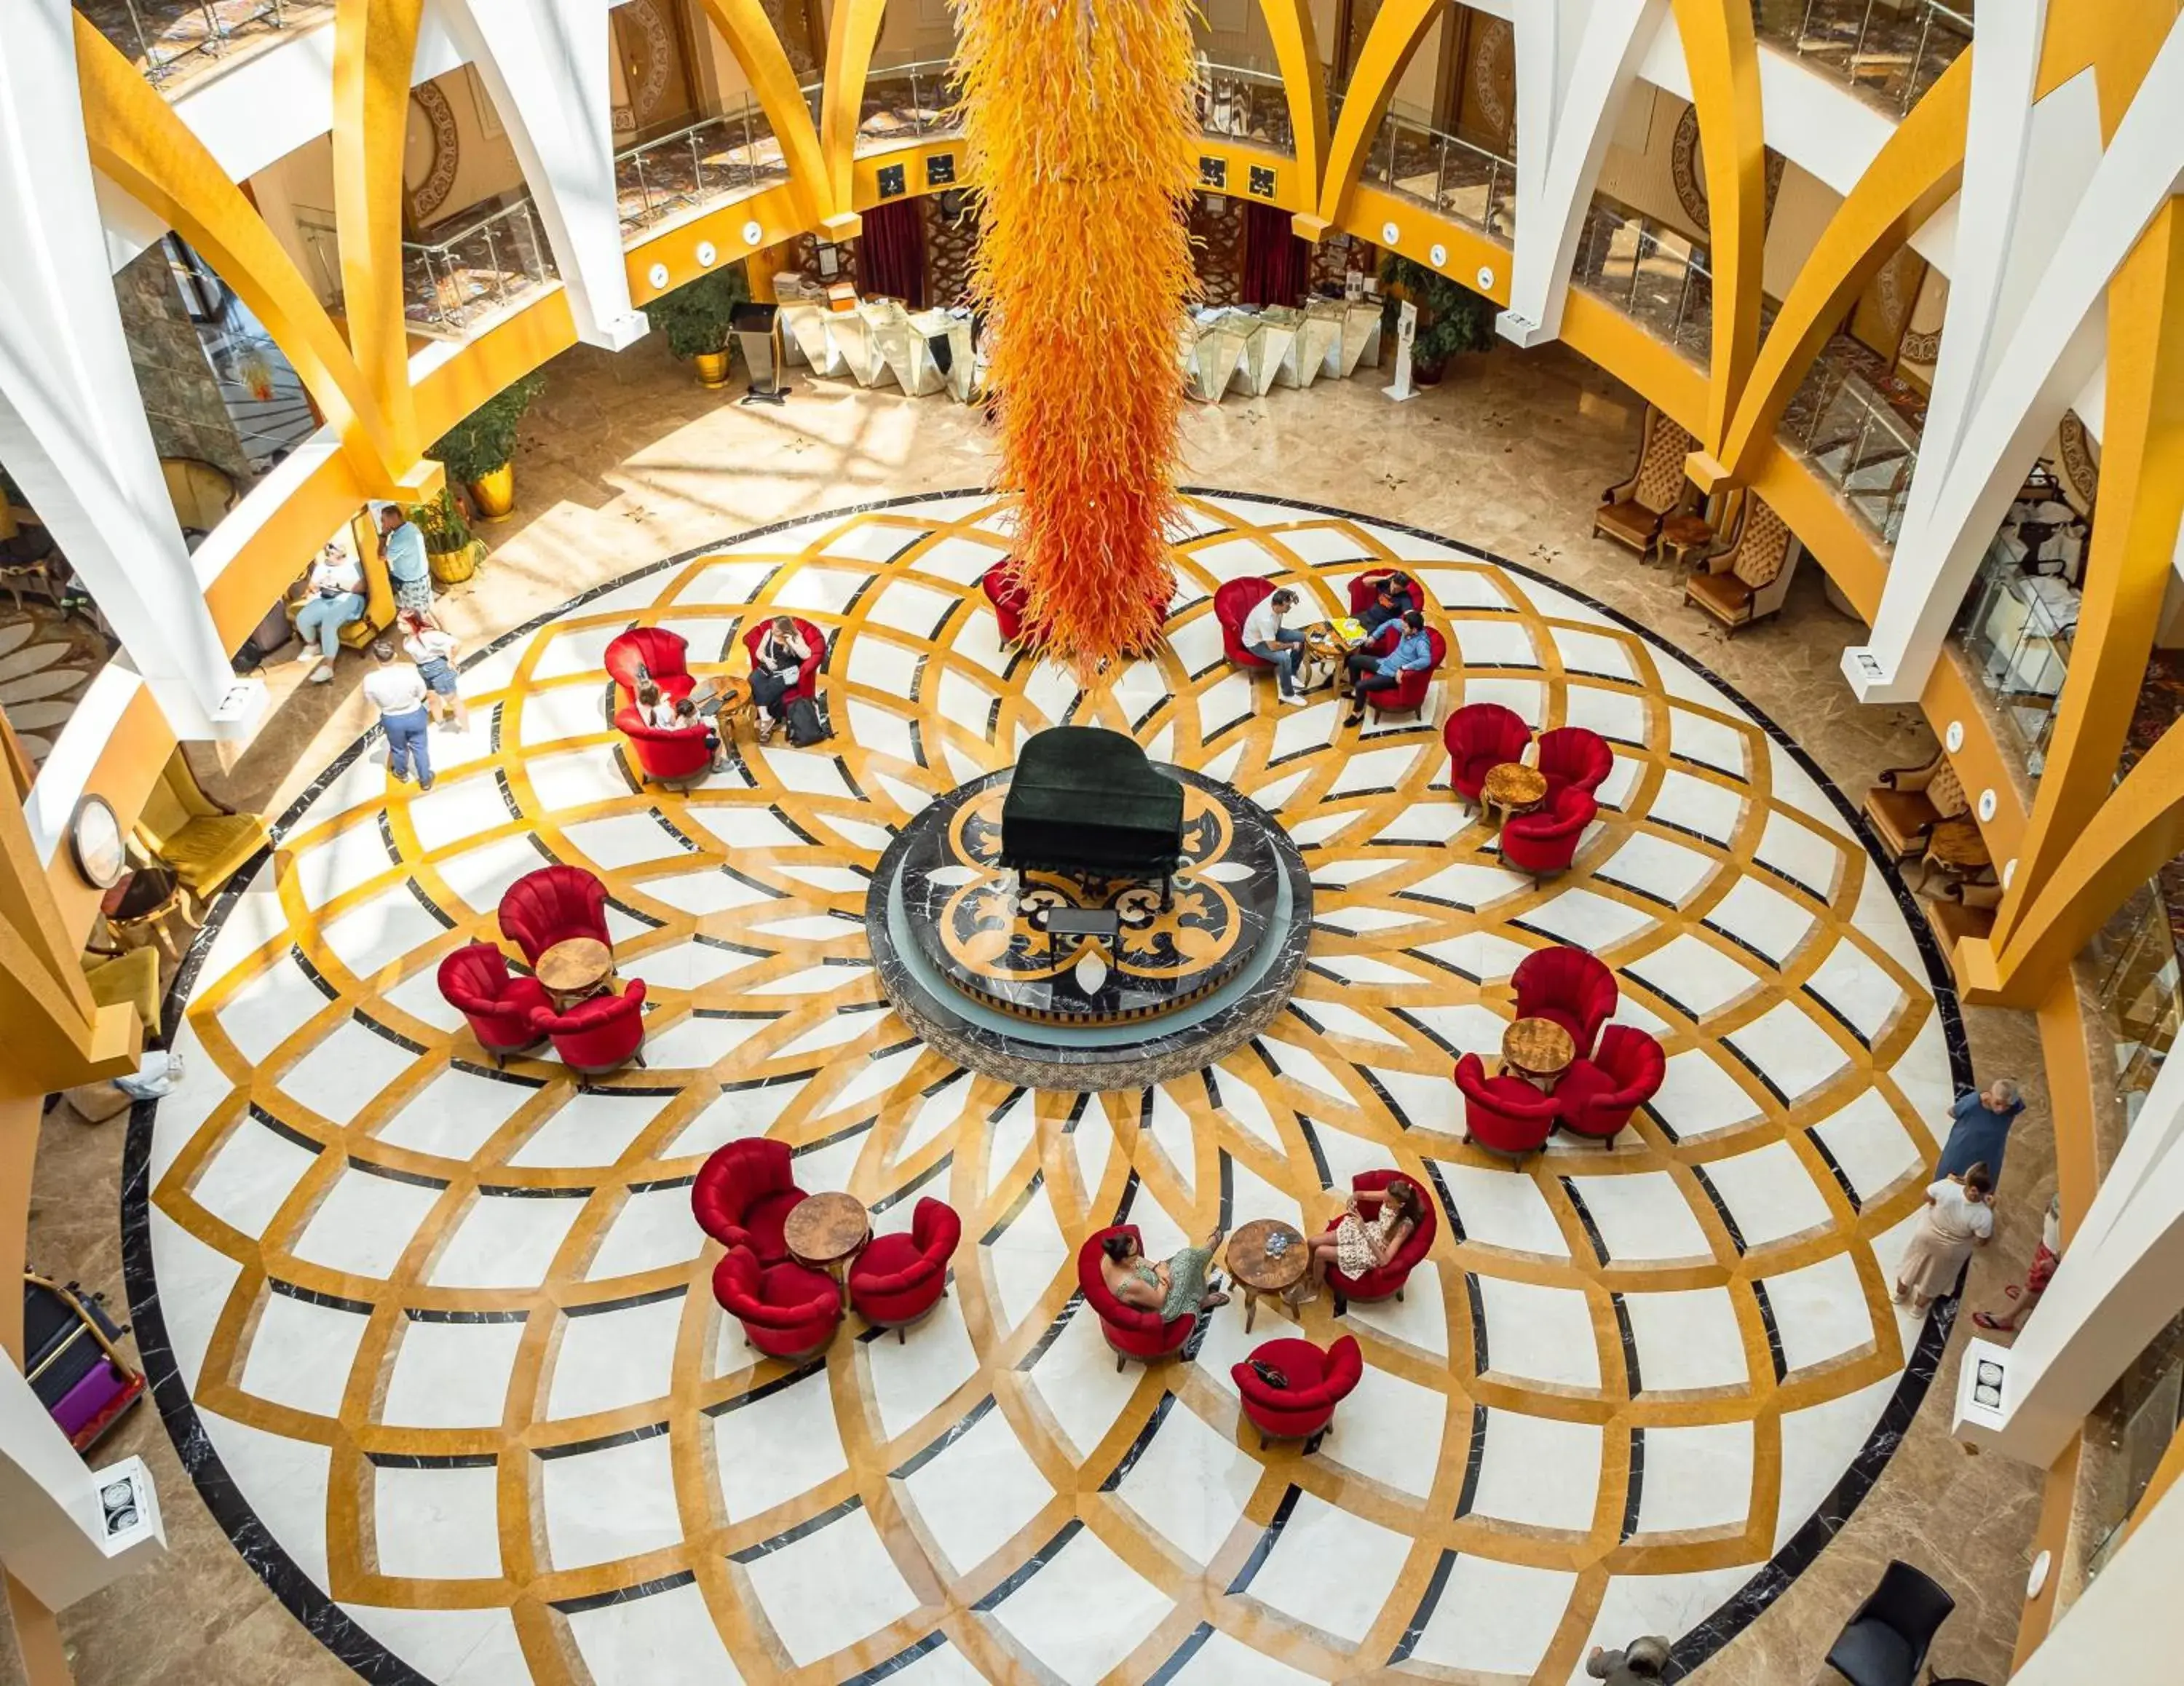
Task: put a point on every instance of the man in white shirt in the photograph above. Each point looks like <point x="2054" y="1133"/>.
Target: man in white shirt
<point x="337" y="599"/>
<point x="1274" y="643"/>
<point x="397" y="691"/>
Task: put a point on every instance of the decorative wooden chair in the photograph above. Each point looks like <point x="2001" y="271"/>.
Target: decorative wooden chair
<point x="1747" y="578"/>
<point x="1630" y="510"/>
<point x="1959" y="910"/>
<point x="1909" y="802"/>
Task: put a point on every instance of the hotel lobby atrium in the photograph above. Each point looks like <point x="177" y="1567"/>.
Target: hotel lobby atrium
<point x="1043" y="841"/>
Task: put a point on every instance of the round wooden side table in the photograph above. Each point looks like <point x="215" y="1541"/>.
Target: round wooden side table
<point x="1538" y="1050"/>
<point x="576" y="968"/>
<point x="1260" y="1272"/>
<point x="826" y="1231"/>
<point x="1328" y="649"/>
<point x="1513" y="788"/>
<point x="1958" y="848"/>
<point x="1682" y="537"/>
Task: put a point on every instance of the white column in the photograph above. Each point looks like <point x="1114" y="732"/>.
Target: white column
<point x="2127" y="1627"/>
<point x="1576" y="59"/>
<point x="54" y="1535"/>
<point x="2045" y="218"/>
<point x="545" y="64"/>
<point x="72" y="428"/>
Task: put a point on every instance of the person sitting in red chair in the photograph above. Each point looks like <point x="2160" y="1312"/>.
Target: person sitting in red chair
<point x="663" y="713"/>
<point x="778" y="663"/>
<point x="1374" y="1225"/>
<point x="1370" y="670"/>
<point x="1378" y="599"/>
<point x="1175" y="1287"/>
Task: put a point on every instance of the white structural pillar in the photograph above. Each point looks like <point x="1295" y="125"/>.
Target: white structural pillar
<point x="73" y="433"/>
<point x="1576" y="60"/>
<point x="2127" y="1627"/>
<point x="545" y="65"/>
<point x="2025" y="332"/>
<point x="58" y="1535"/>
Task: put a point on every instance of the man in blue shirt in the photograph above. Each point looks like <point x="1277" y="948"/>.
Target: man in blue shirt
<point x="1982" y="1130"/>
<point x="407" y="565"/>
<point x="1369" y="672"/>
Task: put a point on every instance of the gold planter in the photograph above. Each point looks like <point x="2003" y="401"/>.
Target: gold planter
<point x="712" y="368"/>
<point x="453" y="567"/>
<point x="495" y="495"/>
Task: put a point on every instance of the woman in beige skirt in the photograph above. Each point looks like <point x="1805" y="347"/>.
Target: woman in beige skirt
<point x="1958" y="1218"/>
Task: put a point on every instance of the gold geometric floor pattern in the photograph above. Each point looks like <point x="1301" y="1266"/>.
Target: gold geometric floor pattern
<point x="444" y="1333"/>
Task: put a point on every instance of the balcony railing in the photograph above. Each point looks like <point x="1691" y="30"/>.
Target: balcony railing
<point x="904" y="103"/>
<point x="1651" y="274"/>
<point x="1245" y="103"/>
<point x="170" y="40"/>
<point x="708" y="162"/>
<point x="1444" y="172"/>
<point x="1891" y="51"/>
<point x="1846" y="429"/>
<point x="455" y="284"/>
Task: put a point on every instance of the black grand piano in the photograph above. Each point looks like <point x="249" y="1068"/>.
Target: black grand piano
<point x="1085" y="800"/>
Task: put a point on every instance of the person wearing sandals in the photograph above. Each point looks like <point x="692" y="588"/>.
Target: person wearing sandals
<point x="1173" y="1288"/>
<point x="663" y="713"/>
<point x="2037" y="1275"/>
<point x="434" y="650"/>
<point x="1958" y="1218"/>
<point x="1360" y="1242"/>
<point x="781" y="653"/>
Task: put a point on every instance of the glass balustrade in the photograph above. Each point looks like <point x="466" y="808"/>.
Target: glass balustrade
<point x="1245" y="103"/>
<point x="453" y="285"/>
<point x="172" y="40"/>
<point x="1889" y="51"/>
<point x="1467" y="183"/>
<point x="710" y="161"/>
<point x="1652" y="274"/>
<point x="1855" y="438"/>
<point x="906" y="103"/>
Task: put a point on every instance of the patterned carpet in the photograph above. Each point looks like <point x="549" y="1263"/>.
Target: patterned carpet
<point x="438" y="1341"/>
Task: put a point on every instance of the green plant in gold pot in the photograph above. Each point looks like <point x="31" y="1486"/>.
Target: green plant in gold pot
<point x="1451" y="317"/>
<point x="695" y="320"/>
<point x="479" y="451"/>
<point x="450" y="547"/>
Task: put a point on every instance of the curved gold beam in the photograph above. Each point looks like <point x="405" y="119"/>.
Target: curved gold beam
<point x="1394" y="35"/>
<point x="749" y="32"/>
<point x="1304" y="84"/>
<point x="853" y="31"/>
<point x="139" y="144"/>
<point x="1722" y="57"/>
<point x="1911" y="177"/>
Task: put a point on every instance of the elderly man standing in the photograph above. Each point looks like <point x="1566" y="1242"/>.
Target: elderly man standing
<point x="402" y="545"/>
<point x="1981" y="1129"/>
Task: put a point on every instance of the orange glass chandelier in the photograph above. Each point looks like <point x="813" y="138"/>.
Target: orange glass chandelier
<point x="1077" y="120"/>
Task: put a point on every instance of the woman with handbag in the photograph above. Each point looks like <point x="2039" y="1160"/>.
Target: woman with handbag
<point x="780" y="656"/>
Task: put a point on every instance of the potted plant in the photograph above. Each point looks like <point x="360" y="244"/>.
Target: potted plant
<point x="450" y="547"/>
<point x="1451" y="317"/>
<point x="695" y="319"/>
<point x="479" y="452"/>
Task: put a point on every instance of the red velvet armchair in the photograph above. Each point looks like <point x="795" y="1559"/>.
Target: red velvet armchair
<point x="665" y="755"/>
<point x="743" y="1194"/>
<point x="1571" y="756"/>
<point x="552" y="905"/>
<point x="1387" y="1282"/>
<point x="1132" y="1333"/>
<point x="1595" y="1097"/>
<point x="476" y="982"/>
<point x="898" y="1279"/>
<point x="1232" y="603"/>
<point x="1505" y="1114"/>
<point x="788" y="1310"/>
<point x="807" y="676"/>
<point x="1366" y="588"/>
<point x="599" y="1034"/>
<point x="1546" y="840"/>
<point x="1410" y="691"/>
<point x="664" y="654"/>
<point x="1317" y="1383"/>
<point x="1480" y="736"/>
<point x="1569" y="986"/>
<point x="1004" y="591"/>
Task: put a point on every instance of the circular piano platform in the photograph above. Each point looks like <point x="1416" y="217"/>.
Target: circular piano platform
<point x="1057" y="980"/>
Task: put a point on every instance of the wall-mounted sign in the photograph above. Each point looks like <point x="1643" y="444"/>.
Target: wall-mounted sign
<point x="939" y="170"/>
<point x="1262" y="182"/>
<point x="893" y="183"/>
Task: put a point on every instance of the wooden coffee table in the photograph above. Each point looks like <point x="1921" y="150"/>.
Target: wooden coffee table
<point x="1958" y="848"/>
<point x="1538" y="1050"/>
<point x="826" y="1231"/>
<point x="1259" y="1272"/>
<point x="575" y="968"/>
<point x="1682" y="537"/>
<point x="1513" y="788"/>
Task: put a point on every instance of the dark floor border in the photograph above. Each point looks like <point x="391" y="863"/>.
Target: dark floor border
<point x="371" y="1660"/>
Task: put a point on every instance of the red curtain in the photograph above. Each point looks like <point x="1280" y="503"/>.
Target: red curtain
<point x="891" y="252"/>
<point x="1277" y="264"/>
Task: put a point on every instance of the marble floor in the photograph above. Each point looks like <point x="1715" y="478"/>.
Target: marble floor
<point x="440" y="1338"/>
<point x="623" y="463"/>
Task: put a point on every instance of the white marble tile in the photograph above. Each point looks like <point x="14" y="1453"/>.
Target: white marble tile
<point x="1421" y="1101"/>
<point x="709" y="890"/>
<point x="1820" y="1311"/>
<point x="1539" y="1470"/>
<point x="1769" y="1194"/>
<point x="1661" y="867"/>
<point x="380" y="932"/>
<point x="1191" y="1485"/>
<point x="1224" y="1660"/>
<point x="911" y="1378"/>
<point x="504" y="1241"/>
<point x="665" y="1639"/>
<point x="451" y="1647"/>
<point x="606" y="1359"/>
<point x="1525" y="697"/>
<point x="829" y="1589"/>
<point x="1383" y="768"/>
<point x="454" y="1115"/>
<point x="1588" y="921"/>
<point x="1590" y="652"/>
<point x="1922" y="1072"/>
<point x="570" y="650"/>
<point x="1470" y="588"/>
<point x="1494" y="643"/>
<point x="1796" y="788"/>
<point x="615" y="1502"/>
<point x="1687" y="1340"/>
<point x="1641" y="1216"/>
<point x="450" y="1375"/>
<point x="776" y="1445"/>
<point x="345" y="1071"/>
<point x="1696" y="974"/>
<point x="456" y="808"/>
<point x="1301" y="1065"/>
<point x="912" y="608"/>
<point x="1028" y="1260"/>
<point x="300" y="1355"/>
<point x="812" y="771"/>
<point x="1697" y="804"/>
<point x="250" y="1175"/>
<point x="591" y="1127"/>
<point x="354" y="856"/>
<point x="482" y="876"/>
<point x="622" y="840"/>
<point x="1295" y="1579"/>
<point x="1424" y="823"/>
<point x="1470" y="884"/>
<point x="575" y="780"/>
<point x="654" y="1229"/>
<point x="195" y="1281"/>
<point x="1869" y="1143"/>
<point x="1858" y="990"/>
<point x="1696" y="1477"/>
<point x="283" y="1480"/>
<point x="695" y="1042"/>
<point x="1714" y="743"/>
<point x="437" y="1524"/>
<point x="1494" y="1618"/>
<point x="1765" y="918"/>
<point x="1658" y="1603"/>
<point x="747" y="1110"/>
<point x="1419" y="1320"/>
<point x="365" y="1222"/>
<point x="1540" y="1334"/>
<point x="1503" y="1209"/>
<point x="1698" y="1097"/>
<point x="1797" y="1055"/>
<point x="1078" y="1384"/>
<point x="1819" y="1443"/>
<point x="973" y="1496"/>
<point x="1814" y="858"/>
<point x="1617" y="715"/>
<point x="1389" y="1430"/>
<point x="726" y="582"/>
<point x="1083" y="1612"/>
<point x="550" y="713"/>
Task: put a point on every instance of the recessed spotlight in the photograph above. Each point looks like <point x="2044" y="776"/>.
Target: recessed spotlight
<point x="708" y="254"/>
<point x="1485" y="278"/>
<point x="1438" y="254"/>
<point x="754" y="233"/>
<point x="1986" y="805"/>
<point x="1954" y="737"/>
<point x="657" y="274"/>
<point x="1390" y="234"/>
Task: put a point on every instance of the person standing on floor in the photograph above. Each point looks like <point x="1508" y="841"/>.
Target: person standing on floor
<point x="1274" y="643"/>
<point x="398" y="690"/>
<point x="337" y="599"/>
<point x="1641" y="1660"/>
<point x="2042" y="1270"/>
<point x="434" y="650"/>
<point x="1980" y="1133"/>
<point x="401" y="544"/>
<point x="1958" y="1218"/>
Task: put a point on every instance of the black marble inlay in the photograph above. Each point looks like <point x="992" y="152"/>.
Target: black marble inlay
<point x="474" y="1068"/>
<point x="1038" y="1560"/>
<point x="1838" y="1016"/>
<point x="410" y="1044"/>
<point x="1402" y="1118"/>
<point x="1015" y="1210"/>
<point x="803" y="1372"/>
<point x="1633" y="1376"/>
<point x="902" y="1659"/>
<point x="1415" y="1628"/>
<point x="913" y="1190"/>
<point x="628" y="1302"/>
<point x="1138" y="1447"/>
<point x="285" y="1131"/>
<point x="604" y="1443"/>
<point x="319" y="982"/>
<point x="1834" y="1167"/>
<point x="432" y="1460"/>
<point x="1633" y="1493"/>
<point x="1474" y="1460"/>
<point x="578" y="1606"/>
<point x="1053" y="1330"/>
<point x="312" y="1296"/>
<point x="942" y="1441"/>
<point x="1774" y="1333"/>
<point x="1311" y="1144"/>
<point x="1448" y="1212"/>
<point x="1479" y="1362"/>
<point x="428" y="1314"/>
<point x="803" y="1530"/>
<point x="1268" y="1540"/>
<point x="1756" y="1070"/>
<point x="530" y="1191"/>
<point x="1584" y="1218"/>
<point x="1720" y="1209"/>
<point x="416" y="1179"/>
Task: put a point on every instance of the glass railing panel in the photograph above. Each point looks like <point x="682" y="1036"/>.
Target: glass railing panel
<point x="2016" y="632"/>
<point x="455" y="284"/>
<point x="906" y="103"/>
<point x="1855" y="439"/>
<point x="172" y="40"/>
<point x="1245" y="103"/>
<point x="1652" y="274"/>
<point x="712" y="160"/>
<point x="1463" y="181"/>
<point x="1890" y="52"/>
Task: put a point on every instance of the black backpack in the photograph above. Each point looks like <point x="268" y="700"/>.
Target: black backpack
<point x="808" y="723"/>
